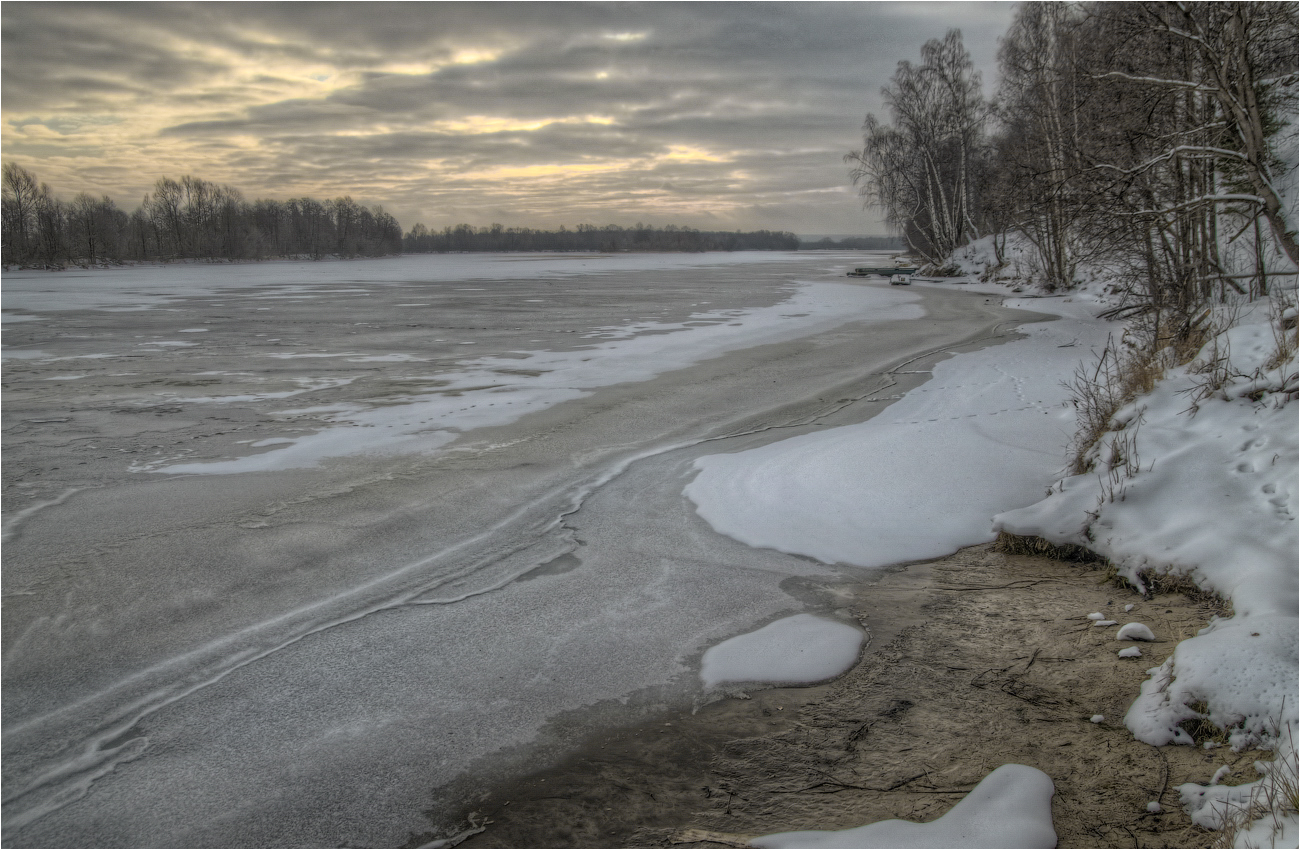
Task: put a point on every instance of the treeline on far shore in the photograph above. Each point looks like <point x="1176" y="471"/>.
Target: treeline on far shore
<point x="611" y="237"/>
<point x="186" y="219"/>
<point x="193" y="219"/>
<point x="854" y="243"/>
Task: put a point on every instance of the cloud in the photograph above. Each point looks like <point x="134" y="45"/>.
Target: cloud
<point x="542" y="114"/>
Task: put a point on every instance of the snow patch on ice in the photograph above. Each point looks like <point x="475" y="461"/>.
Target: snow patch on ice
<point x="794" y="650"/>
<point x="497" y="390"/>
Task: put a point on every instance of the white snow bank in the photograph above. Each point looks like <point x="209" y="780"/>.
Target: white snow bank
<point x="921" y="479"/>
<point x="794" y="650"/>
<point x="1012" y="807"/>
<point x="1215" y="499"/>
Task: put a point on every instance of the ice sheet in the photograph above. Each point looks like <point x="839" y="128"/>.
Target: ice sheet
<point x="495" y="390"/>
<point x="152" y="286"/>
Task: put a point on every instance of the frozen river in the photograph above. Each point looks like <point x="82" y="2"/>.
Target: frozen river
<point x="297" y="553"/>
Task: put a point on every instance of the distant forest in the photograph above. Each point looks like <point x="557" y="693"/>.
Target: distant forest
<point x="587" y="237"/>
<point x="855" y="243"/>
<point x="193" y="219"/>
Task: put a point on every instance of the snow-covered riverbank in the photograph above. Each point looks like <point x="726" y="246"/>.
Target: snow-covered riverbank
<point x="1209" y="494"/>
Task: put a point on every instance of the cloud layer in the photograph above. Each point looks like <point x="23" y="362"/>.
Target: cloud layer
<point x="718" y="116"/>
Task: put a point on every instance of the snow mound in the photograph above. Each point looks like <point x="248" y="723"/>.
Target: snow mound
<point x="921" y="479"/>
<point x="1011" y="807"/>
<point x="1131" y="652"/>
<point x="1215" y="500"/>
<point x="1134" y="631"/>
<point x="794" y="650"/>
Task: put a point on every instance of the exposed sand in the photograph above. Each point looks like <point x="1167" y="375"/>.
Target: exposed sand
<point x="975" y="660"/>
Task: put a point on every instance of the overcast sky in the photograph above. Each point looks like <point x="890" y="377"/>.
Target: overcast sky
<point x="714" y="116"/>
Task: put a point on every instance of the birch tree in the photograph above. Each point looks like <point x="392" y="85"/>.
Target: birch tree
<point x="920" y="170"/>
<point x="1039" y="143"/>
<point x="1195" y="96"/>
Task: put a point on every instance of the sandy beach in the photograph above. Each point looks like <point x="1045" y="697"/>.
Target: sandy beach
<point x="974" y="660"/>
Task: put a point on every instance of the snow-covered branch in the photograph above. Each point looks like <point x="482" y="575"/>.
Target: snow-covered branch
<point x="1204" y="199"/>
<point x="1158" y="81"/>
<point x="1173" y="152"/>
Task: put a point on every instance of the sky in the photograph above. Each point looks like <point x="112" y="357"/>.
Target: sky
<point x="718" y="116"/>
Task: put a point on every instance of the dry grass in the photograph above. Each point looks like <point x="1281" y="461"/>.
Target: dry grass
<point x="1130" y="368"/>
<point x="1286" y="332"/>
<point x="1123" y="372"/>
<point x="1173" y="582"/>
<point x="1017" y="544"/>
<point x="1274" y="799"/>
<point x="1202" y="729"/>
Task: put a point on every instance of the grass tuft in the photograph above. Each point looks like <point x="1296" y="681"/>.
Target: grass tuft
<point x="1202" y="729"/>
<point x="1125" y="370"/>
<point x="1273" y="801"/>
<point x="1018" y="544"/>
<point x="1175" y="582"/>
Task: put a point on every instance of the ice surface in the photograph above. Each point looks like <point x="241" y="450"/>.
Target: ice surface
<point x="301" y="658"/>
<point x="1011" y="807"/>
<point x="921" y="479"/>
<point x="799" y="649"/>
<point x="497" y="390"/>
<point x="153" y="286"/>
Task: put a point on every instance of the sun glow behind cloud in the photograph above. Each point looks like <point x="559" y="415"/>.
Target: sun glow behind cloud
<point x="541" y="114"/>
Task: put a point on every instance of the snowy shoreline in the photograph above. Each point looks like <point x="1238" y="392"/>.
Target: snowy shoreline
<point x="850" y="495"/>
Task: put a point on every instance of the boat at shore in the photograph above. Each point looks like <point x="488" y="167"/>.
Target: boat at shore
<point x="883" y="271"/>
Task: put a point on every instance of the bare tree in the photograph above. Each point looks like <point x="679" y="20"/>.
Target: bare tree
<point x="921" y="169"/>
<point x="1242" y="58"/>
<point x="1039" y="145"/>
<point x="20" y="200"/>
